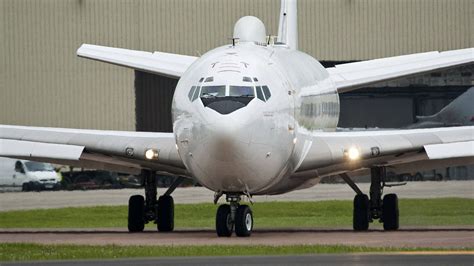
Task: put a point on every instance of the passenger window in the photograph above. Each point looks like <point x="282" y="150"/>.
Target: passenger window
<point x="255" y="79"/>
<point x="196" y="94"/>
<point x="191" y="92"/>
<point x="209" y="79"/>
<point x="247" y="79"/>
<point x="267" y="93"/>
<point x="260" y="93"/>
<point x="201" y="79"/>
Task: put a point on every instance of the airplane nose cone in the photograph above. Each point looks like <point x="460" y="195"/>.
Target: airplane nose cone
<point x="226" y="142"/>
<point x="225" y="160"/>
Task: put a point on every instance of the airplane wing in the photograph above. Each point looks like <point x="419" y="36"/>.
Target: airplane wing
<point x="331" y="153"/>
<point x="166" y="64"/>
<point x="119" y="151"/>
<point x="352" y="76"/>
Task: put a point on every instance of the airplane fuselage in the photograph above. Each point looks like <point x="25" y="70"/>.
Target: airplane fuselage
<point x="240" y="114"/>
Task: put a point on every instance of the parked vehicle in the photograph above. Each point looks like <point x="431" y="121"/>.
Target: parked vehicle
<point x="29" y="175"/>
<point x="90" y="179"/>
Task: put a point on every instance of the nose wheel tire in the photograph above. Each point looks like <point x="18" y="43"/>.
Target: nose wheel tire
<point x="136" y="211"/>
<point x="224" y="223"/>
<point x="361" y="216"/>
<point x="165" y="214"/>
<point x="243" y="221"/>
<point x="390" y="212"/>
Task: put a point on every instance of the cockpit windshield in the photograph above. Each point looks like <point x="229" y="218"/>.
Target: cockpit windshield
<point x="226" y="99"/>
<point x="241" y="91"/>
<point x="212" y="91"/>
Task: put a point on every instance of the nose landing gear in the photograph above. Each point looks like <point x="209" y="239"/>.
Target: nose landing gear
<point x="234" y="215"/>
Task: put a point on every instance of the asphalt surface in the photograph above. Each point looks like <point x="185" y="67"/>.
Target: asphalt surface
<point x="350" y="259"/>
<point x="58" y="199"/>
<point x="439" y="237"/>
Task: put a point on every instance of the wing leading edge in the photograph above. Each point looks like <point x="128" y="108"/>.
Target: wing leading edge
<point x="121" y="151"/>
<point x="328" y="154"/>
<point x="352" y="76"/>
<point x="165" y="64"/>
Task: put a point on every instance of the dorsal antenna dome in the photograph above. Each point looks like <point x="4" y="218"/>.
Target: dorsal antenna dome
<point x="250" y="29"/>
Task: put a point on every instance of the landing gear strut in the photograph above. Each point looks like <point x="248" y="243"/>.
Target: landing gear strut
<point x="234" y="216"/>
<point x="142" y="210"/>
<point x="367" y="210"/>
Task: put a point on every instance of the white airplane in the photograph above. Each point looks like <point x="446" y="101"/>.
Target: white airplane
<point x="254" y="117"/>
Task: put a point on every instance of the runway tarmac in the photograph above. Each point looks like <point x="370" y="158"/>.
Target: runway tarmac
<point x="446" y="237"/>
<point x="59" y="199"/>
<point x="349" y="259"/>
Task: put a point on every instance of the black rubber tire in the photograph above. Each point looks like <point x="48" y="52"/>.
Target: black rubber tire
<point x="390" y="213"/>
<point x="165" y="214"/>
<point x="243" y="221"/>
<point x="224" y="224"/>
<point x="25" y="187"/>
<point x="361" y="215"/>
<point x="136" y="213"/>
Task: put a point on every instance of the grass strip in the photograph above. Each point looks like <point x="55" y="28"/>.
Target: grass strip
<point x="28" y="252"/>
<point x="413" y="212"/>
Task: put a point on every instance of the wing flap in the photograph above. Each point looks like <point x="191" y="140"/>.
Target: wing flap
<point x="352" y="76"/>
<point x="450" y="150"/>
<point x="166" y="64"/>
<point x="16" y="148"/>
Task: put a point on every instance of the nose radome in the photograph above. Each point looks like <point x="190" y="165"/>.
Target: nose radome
<point x="227" y="164"/>
<point x="226" y="140"/>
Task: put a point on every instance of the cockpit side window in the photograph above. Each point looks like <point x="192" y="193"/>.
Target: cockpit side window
<point x="212" y="91"/>
<point x="241" y="91"/>
<point x="196" y="94"/>
<point x="191" y="93"/>
<point x="260" y="93"/>
<point x="267" y="92"/>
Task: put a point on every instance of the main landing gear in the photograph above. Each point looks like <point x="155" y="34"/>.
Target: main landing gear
<point x="142" y="210"/>
<point x="234" y="216"/>
<point x="367" y="210"/>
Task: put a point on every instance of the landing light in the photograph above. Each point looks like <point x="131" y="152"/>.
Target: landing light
<point x="353" y="153"/>
<point x="151" y="154"/>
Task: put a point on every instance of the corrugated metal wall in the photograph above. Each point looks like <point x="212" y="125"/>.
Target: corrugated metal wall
<point x="44" y="83"/>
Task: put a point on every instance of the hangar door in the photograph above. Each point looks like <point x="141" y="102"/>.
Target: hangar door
<point x="153" y="96"/>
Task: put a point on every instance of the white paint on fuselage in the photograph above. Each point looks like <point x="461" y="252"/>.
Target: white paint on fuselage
<point x="255" y="148"/>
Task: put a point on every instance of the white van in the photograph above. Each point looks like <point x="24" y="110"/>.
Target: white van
<point x="30" y="176"/>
